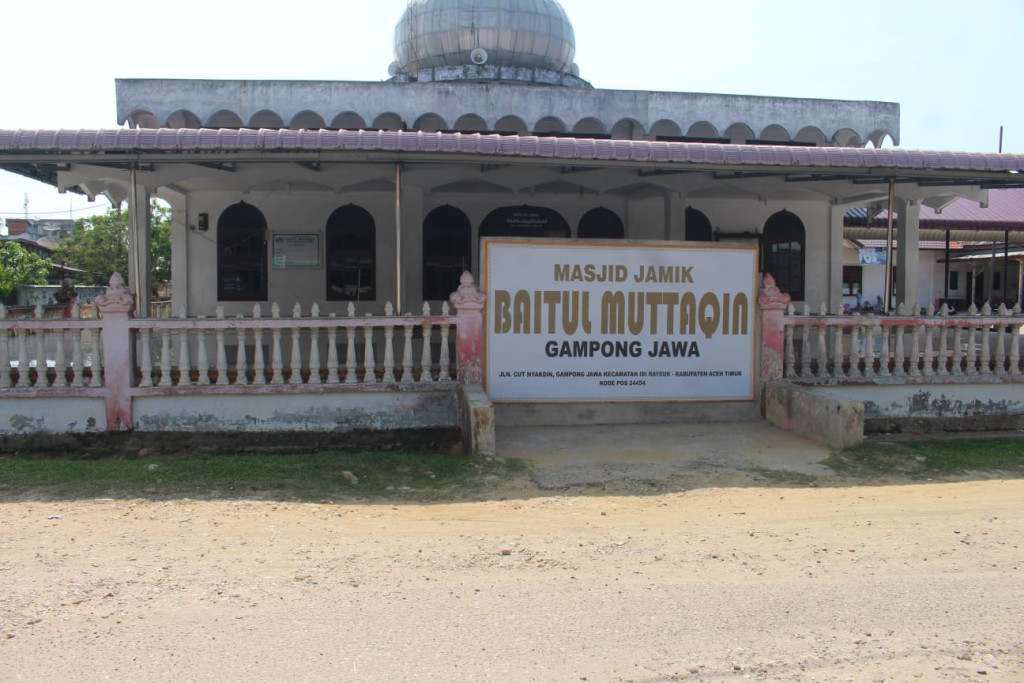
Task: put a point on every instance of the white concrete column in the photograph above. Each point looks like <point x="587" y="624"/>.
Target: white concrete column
<point x="908" y="230"/>
<point x="835" y="258"/>
<point x="412" y="247"/>
<point x="182" y="225"/>
<point x="140" y="248"/>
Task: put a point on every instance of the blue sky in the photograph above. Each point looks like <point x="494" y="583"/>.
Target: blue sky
<point x="953" y="66"/>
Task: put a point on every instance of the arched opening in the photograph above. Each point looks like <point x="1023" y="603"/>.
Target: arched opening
<point x="389" y="121"/>
<point x="601" y="224"/>
<point x="774" y="133"/>
<point x="549" y="124"/>
<point x="470" y="123"/>
<point x="141" y="118"/>
<point x="783" y="246"/>
<point x="242" y="254"/>
<point x="511" y="124"/>
<point x="183" y="119"/>
<point x="698" y="227"/>
<point x="430" y="123"/>
<point x="811" y="135"/>
<point x="589" y="126"/>
<point x="524" y="221"/>
<point x="351" y="255"/>
<point x="702" y="130"/>
<point x="348" y="120"/>
<point x="447" y="251"/>
<point x="627" y="129"/>
<point x="225" y="119"/>
<point x="265" y="119"/>
<point x="307" y="120"/>
<point x="738" y="134"/>
<point x="665" y="129"/>
<point x="846" y="138"/>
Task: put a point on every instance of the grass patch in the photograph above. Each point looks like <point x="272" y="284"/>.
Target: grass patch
<point x="298" y="477"/>
<point x="931" y="459"/>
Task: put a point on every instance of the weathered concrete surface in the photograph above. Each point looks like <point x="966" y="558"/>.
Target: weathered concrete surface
<point x="477" y="420"/>
<point x="296" y="412"/>
<point x="595" y="455"/>
<point x="834" y="420"/>
<point x="936" y="407"/>
<point x="28" y="416"/>
<point x="563" y="414"/>
<point x="162" y="98"/>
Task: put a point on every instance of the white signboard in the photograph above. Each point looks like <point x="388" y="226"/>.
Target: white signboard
<point x="572" y="321"/>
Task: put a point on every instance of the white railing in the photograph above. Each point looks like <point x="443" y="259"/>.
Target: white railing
<point x="47" y="353"/>
<point x="300" y="350"/>
<point x="981" y="345"/>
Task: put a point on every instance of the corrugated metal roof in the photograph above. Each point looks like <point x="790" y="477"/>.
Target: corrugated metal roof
<point x="636" y="151"/>
<point x="1005" y="210"/>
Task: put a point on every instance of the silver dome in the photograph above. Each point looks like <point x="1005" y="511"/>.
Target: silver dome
<point x="533" y="34"/>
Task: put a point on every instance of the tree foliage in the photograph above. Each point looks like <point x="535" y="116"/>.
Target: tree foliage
<point x="99" y="245"/>
<point x="18" y="266"/>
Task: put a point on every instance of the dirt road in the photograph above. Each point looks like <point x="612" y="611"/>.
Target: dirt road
<point x="896" y="583"/>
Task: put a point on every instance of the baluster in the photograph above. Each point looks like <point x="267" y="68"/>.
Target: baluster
<point x="60" y="366"/>
<point x="165" y="358"/>
<point x="77" y="371"/>
<point x="885" y="333"/>
<point x="333" y="377"/>
<point x="1015" y="339"/>
<point x="985" y="366"/>
<point x="42" y="381"/>
<point x="958" y="351"/>
<point x="241" y="357"/>
<point x="5" y="353"/>
<point x="202" y="359"/>
<point x="407" y="356"/>
<point x="350" y="351"/>
<point x="222" y="354"/>
<point x="22" y="359"/>
<point x="972" y="350"/>
<point x="1001" y="368"/>
<point x="943" y="359"/>
<point x="838" y="352"/>
<point x="444" y="374"/>
<point x="369" y="362"/>
<point x="854" y="371"/>
<point x="426" y="361"/>
<point x="259" y="366"/>
<point x="276" y="363"/>
<point x="314" y="349"/>
<point x="790" y="353"/>
<point x="147" y="359"/>
<point x="822" y="350"/>
<point x="97" y="359"/>
<point x="389" y="348"/>
<point x="899" y="356"/>
<point x="869" y="350"/>
<point x="296" y="355"/>
<point x="184" y="361"/>
<point x="805" y="345"/>
<point x="916" y="360"/>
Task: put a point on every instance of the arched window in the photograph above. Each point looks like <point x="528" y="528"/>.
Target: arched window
<point x="782" y="252"/>
<point x="351" y="255"/>
<point x="447" y="248"/>
<point x="698" y="227"/>
<point x="601" y="224"/>
<point x="242" y="254"/>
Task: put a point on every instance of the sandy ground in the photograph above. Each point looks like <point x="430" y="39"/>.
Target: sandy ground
<point x="711" y="583"/>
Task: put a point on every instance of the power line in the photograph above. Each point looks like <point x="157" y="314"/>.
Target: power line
<point x="20" y="214"/>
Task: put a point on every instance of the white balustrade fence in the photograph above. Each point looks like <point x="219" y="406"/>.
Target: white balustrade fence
<point x="44" y="353"/>
<point x="904" y="348"/>
<point x="302" y="349"/>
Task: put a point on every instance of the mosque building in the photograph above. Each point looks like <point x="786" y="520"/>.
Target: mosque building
<point x="487" y="152"/>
